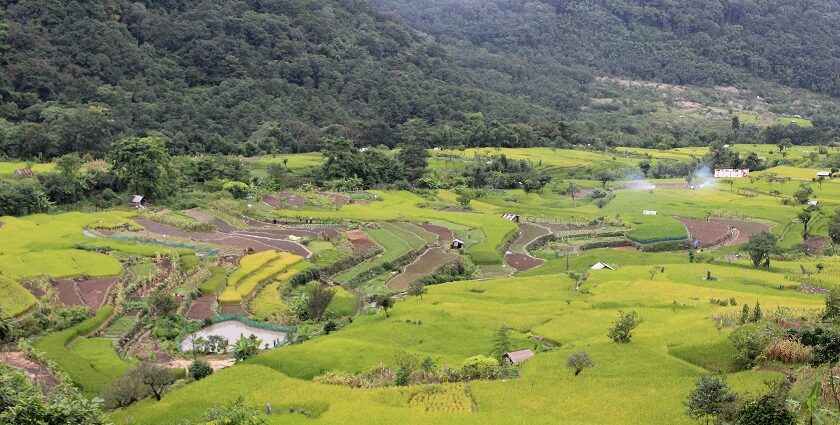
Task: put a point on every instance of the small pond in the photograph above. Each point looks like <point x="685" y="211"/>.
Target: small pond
<point x="232" y="330"/>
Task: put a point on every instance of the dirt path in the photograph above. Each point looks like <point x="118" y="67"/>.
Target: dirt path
<point x="38" y="373"/>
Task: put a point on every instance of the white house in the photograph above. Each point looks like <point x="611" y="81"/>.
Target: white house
<point x="732" y="173"/>
<point x="600" y="266"/>
<point x="823" y="173"/>
<point x="511" y="217"/>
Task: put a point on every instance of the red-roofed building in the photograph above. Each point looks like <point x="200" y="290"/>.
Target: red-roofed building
<point x="518" y="357"/>
<point x="24" y="172"/>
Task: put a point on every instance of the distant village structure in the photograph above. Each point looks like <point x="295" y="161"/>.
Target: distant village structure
<point x="601" y="266"/>
<point x="730" y="173"/>
<point x="518" y="357"/>
<point x="24" y="172"/>
<point x="512" y="217"/>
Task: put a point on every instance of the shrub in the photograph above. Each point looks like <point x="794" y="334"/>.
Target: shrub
<point x="709" y="398"/>
<point x="750" y="341"/>
<point x="478" y="367"/>
<point x="621" y="331"/>
<point x="200" y="369"/>
<point x="788" y="351"/>
<point x="825" y="344"/>
<point x="579" y="361"/>
<point x="767" y="409"/>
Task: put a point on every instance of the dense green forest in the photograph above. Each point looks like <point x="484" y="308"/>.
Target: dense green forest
<point x="248" y="77"/>
<point x="219" y="76"/>
<point x="679" y="42"/>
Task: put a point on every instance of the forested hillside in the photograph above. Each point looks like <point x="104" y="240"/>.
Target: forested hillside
<point x="248" y="77"/>
<point x="679" y="42"/>
<point x="555" y="52"/>
<point x="212" y="75"/>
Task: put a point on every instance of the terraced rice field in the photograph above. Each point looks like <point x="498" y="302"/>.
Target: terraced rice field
<point x="432" y="260"/>
<point x="395" y="243"/>
<point x="254" y="269"/>
<point x="89" y="292"/>
<point x="44" y="244"/>
<point x="647" y="386"/>
<point x="268" y="301"/>
<point x="201" y="308"/>
<point x="14" y="298"/>
<point x="91" y="362"/>
<point x="405" y="206"/>
<point x="229" y="236"/>
<point x="120" y="326"/>
<point x="360" y="241"/>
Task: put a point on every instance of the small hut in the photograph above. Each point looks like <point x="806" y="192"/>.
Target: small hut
<point x="601" y="266"/>
<point x="457" y="244"/>
<point x="518" y="357"/>
<point x="137" y="200"/>
<point x="512" y="217"/>
<point x="24" y="172"/>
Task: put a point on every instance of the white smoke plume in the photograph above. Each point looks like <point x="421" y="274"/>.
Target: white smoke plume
<point x="636" y="181"/>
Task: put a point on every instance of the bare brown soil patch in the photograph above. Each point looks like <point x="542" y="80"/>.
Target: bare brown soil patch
<point x="147" y="347"/>
<point x="201" y="308"/>
<point x="708" y="232"/>
<point x="558" y="227"/>
<point x="745" y="228"/>
<point x="443" y="233"/>
<point x="232" y="309"/>
<point x="810" y="289"/>
<point x="426" y="264"/>
<point x="285" y="200"/>
<point x="360" y="241"/>
<point x="38" y="373"/>
<point x="816" y="245"/>
<point x="68" y="292"/>
<point x="528" y="233"/>
<point x="336" y="198"/>
<point x="522" y="262"/>
<point x="257" y="240"/>
<point x="94" y="291"/>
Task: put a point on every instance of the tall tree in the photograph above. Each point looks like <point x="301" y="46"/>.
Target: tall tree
<point x="760" y="247"/>
<point x="415" y="160"/>
<point x="142" y="165"/>
<point x="709" y="398"/>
